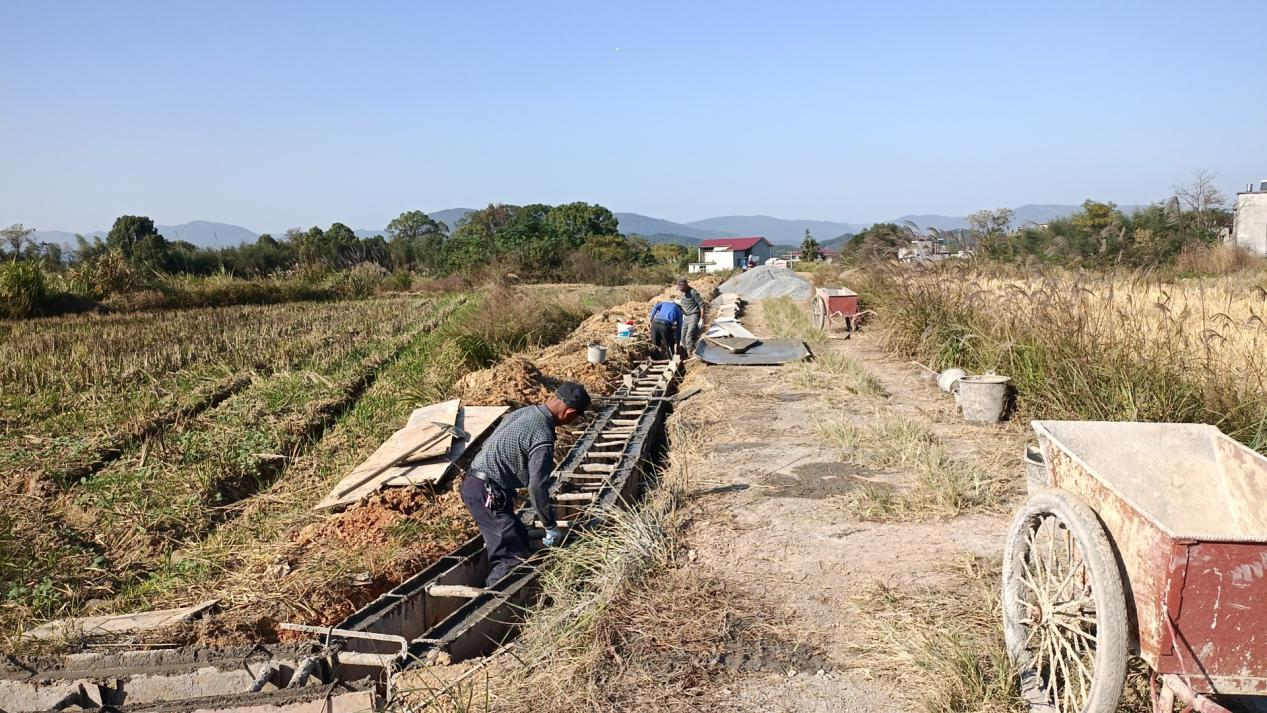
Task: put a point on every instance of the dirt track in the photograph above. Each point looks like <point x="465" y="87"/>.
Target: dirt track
<point x="770" y="519"/>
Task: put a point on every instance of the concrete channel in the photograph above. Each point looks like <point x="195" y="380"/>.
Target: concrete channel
<point x="443" y="614"/>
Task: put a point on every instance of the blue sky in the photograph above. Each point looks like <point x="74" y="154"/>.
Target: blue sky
<point x="278" y="114"/>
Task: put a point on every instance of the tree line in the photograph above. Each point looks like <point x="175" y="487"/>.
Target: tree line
<point x="1098" y="234"/>
<point x="535" y="241"/>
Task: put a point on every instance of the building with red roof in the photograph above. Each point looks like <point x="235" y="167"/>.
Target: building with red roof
<point x="720" y="254"/>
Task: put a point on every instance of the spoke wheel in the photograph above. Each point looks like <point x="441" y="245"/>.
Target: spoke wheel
<point x="819" y="312"/>
<point x="1064" y="613"/>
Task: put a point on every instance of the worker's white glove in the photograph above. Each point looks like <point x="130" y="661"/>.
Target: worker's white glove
<point x="552" y="537"/>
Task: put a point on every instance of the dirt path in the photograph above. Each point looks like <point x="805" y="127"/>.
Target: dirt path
<point x="771" y="517"/>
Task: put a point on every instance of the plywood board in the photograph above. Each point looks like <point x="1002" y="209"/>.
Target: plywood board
<point x="369" y="475"/>
<point x="476" y="421"/>
<point x="118" y="623"/>
<point x="728" y="328"/>
<point x="421" y="421"/>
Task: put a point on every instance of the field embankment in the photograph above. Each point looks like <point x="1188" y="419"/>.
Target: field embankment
<point x="1093" y="346"/>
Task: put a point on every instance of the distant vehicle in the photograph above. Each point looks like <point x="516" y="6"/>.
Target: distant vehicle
<point x="777" y="262"/>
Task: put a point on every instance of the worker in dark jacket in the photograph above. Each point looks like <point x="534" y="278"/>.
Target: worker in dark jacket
<point x="519" y="454"/>
<point x="666" y="328"/>
<point x="692" y="314"/>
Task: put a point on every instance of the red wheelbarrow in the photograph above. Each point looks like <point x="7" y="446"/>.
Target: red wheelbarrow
<point x="1146" y="538"/>
<point x="835" y="307"/>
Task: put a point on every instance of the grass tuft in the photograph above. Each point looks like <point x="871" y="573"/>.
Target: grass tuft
<point x="945" y="641"/>
<point x="943" y="486"/>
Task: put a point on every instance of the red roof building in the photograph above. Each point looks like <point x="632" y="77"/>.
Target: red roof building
<point x="735" y="244"/>
<point x="720" y="254"/>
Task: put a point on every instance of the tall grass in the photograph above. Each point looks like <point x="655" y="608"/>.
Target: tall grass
<point x="1106" y="346"/>
<point x="788" y="319"/>
<point x="945" y="641"/>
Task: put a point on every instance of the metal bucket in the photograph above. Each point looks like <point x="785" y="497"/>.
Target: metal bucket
<point x="1036" y="477"/>
<point x="597" y="354"/>
<point x="982" y="397"/>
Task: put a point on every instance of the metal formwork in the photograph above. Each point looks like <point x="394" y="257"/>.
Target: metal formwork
<point x="441" y="614"/>
<point x="445" y="613"/>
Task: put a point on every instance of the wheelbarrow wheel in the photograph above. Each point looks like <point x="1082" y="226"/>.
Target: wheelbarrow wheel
<point x="819" y="312"/>
<point x="1064" y="613"/>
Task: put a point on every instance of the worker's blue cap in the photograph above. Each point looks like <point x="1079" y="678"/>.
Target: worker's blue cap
<point x="573" y="395"/>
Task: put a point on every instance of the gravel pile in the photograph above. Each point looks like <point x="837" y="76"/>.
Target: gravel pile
<point x="768" y="281"/>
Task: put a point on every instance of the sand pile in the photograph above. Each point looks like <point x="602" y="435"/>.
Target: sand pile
<point x="768" y="281"/>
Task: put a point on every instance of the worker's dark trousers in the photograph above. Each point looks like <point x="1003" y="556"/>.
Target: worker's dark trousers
<point x="505" y="537"/>
<point x="663" y="339"/>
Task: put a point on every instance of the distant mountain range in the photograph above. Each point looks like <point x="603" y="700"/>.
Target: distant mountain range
<point x="779" y="231"/>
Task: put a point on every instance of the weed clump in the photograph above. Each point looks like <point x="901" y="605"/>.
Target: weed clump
<point x="943" y="486"/>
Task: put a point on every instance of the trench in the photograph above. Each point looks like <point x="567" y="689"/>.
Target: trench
<point x="442" y="614"/>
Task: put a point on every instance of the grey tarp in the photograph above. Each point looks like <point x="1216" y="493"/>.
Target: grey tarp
<point x="770" y="352"/>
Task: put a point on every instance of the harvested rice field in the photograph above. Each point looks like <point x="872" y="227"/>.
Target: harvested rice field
<point x="154" y="459"/>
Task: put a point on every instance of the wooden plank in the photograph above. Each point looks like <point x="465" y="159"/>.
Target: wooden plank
<point x="474" y="420"/>
<point x="118" y="623"/>
<point x="419" y="439"/>
<point x="454" y="590"/>
<point x="422" y="418"/>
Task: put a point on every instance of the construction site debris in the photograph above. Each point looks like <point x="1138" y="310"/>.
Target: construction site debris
<point x="474" y="421"/>
<point x="430" y="432"/>
<point x="734" y="345"/>
<point x="89" y="626"/>
<point x="766" y="282"/>
<point x="769" y="352"/>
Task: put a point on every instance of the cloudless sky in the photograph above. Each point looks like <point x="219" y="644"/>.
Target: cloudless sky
<point x="279" y="114"/>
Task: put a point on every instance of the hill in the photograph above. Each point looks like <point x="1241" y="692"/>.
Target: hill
<point x="776" y="230"/>
<point x="647" y="226"/>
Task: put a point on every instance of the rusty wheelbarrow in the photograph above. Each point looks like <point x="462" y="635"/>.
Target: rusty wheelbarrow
<point x="836" y="307"/>
<point x="1146" y="538"/>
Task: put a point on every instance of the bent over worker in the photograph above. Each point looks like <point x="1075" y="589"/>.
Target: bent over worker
<point x="692" y="314"/>
<point x="666" y="328"/>
<point x="519" y="454"/>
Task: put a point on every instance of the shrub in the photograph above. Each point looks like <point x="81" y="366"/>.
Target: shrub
<point x="23" y="289"/>
<point x="105" y="275"/>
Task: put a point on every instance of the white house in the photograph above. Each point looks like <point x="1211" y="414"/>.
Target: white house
<point x="719" y="254"/>
<point x="1249" y="222"/>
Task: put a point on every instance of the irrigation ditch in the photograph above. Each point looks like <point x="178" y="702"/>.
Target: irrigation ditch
<point x="438" y="616"/>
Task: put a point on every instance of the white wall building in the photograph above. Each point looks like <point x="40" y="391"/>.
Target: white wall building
<point x="720" y="254"/>
<point x="1249" y="221"/>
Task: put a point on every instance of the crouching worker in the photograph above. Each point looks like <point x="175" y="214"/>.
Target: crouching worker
<point x="666" y="329"/>
<point x="519" y="454"/>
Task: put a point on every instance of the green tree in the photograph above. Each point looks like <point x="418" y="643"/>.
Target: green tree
<point x="16" y="236"/>
<point x="878" y="242"/>
<point x="127" y="231"/>
<point x="989" y="230"/>
<point x="671" y="254"/>
<point x="809" y="248"/>
<point x="575" y="223"/>
<point x="416" y="240"/>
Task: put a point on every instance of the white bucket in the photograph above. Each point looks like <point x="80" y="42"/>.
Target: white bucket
<point x="597" y="354"/>
<point x="624" y="330"/>
<point x="982" y="397"/>
<point x="946" y="380"/>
